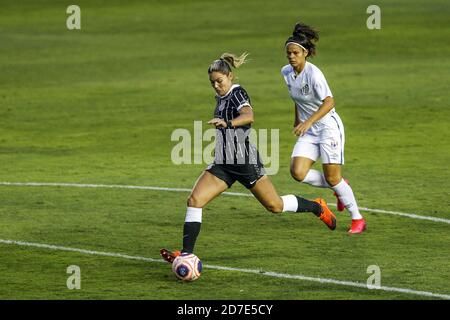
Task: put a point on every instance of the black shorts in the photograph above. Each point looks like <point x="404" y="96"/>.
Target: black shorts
<point x="246" y="174"/>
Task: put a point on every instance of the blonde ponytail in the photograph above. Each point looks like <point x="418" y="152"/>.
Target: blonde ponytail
<point x="226" y="62"/>
<point x="234" y="60"/>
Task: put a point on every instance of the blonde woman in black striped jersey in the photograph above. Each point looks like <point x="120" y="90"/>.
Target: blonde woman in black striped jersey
<point x="236" y="159"/>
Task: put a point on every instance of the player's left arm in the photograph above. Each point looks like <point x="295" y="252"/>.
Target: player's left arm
<point x="245" y="117"/>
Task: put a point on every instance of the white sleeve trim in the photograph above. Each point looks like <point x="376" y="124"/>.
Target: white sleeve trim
<point x="245" y="104"/>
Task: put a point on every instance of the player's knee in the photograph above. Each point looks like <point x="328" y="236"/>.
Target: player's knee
<point x="333" y="179"/>
<point x="194" y="201"/>
<point x="275" y="207"/>
<point x="298" y="174"/>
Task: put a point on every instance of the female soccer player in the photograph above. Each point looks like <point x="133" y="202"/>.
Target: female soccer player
<point x="318" y="126"/>
<point x="236" y="159"/>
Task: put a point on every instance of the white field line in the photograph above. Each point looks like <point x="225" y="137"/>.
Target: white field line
<point x="250" y="271"/>
<point x="116" y="186"/>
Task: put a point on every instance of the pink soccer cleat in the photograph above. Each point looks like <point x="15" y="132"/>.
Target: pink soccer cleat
<point x="358" y="226"/>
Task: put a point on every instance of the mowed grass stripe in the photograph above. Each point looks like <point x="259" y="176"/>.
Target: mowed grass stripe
<point x="115" y="186"/>
<point x="250" y="271"/>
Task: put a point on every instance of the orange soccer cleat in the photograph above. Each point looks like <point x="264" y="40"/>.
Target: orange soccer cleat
<point x="326" y="216"/>
<point x="358" y="226"/>
<point x="169" y="256"/>
<point x="340" y="206"/>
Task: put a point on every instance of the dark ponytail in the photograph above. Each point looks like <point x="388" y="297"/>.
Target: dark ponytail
<point x="305" y="36"/>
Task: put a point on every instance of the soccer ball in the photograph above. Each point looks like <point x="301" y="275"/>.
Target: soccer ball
<point x="187" y="267"/>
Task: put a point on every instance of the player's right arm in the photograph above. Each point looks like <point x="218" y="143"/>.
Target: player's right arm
<point x="296" y="121"/>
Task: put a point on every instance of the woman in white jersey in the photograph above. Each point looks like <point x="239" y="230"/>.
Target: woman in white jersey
<point x="318" y="126"/>
<point x="236" y="160"/>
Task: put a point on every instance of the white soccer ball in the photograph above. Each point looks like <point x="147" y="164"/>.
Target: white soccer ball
<point x="187" y="267"/>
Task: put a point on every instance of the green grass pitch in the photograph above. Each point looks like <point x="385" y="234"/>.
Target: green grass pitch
<point x="98" y="106"/>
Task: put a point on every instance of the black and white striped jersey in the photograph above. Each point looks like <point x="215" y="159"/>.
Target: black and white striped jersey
<point x="228" y="106"/>
<point x="232" y="145"/>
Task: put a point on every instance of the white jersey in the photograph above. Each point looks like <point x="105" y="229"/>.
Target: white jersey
<point x="308" y="90"/>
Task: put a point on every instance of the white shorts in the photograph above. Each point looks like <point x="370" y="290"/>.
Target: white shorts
<point x="327" y="143"/>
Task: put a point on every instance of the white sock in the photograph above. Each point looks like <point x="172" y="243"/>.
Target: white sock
<point x="316" y="179"/>
<point x="290" y="203"/>
<point x="193" y="214"/>
<point x="346" y="196"/>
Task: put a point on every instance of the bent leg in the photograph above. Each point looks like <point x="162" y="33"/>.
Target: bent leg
<point x="332" y="173"/>
<point x="300" y="167"/>
<point x="342" y="189"/>
<point x="266" y="194"/>
<point x="302" y="172"/>
<point x="205" y="189"/>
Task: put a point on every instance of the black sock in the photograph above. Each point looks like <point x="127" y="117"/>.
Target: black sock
<point x="308" y="206"/>
<point x="190" y="233"/>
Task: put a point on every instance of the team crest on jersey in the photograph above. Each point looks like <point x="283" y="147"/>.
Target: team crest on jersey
<point x="305" y="89"/>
